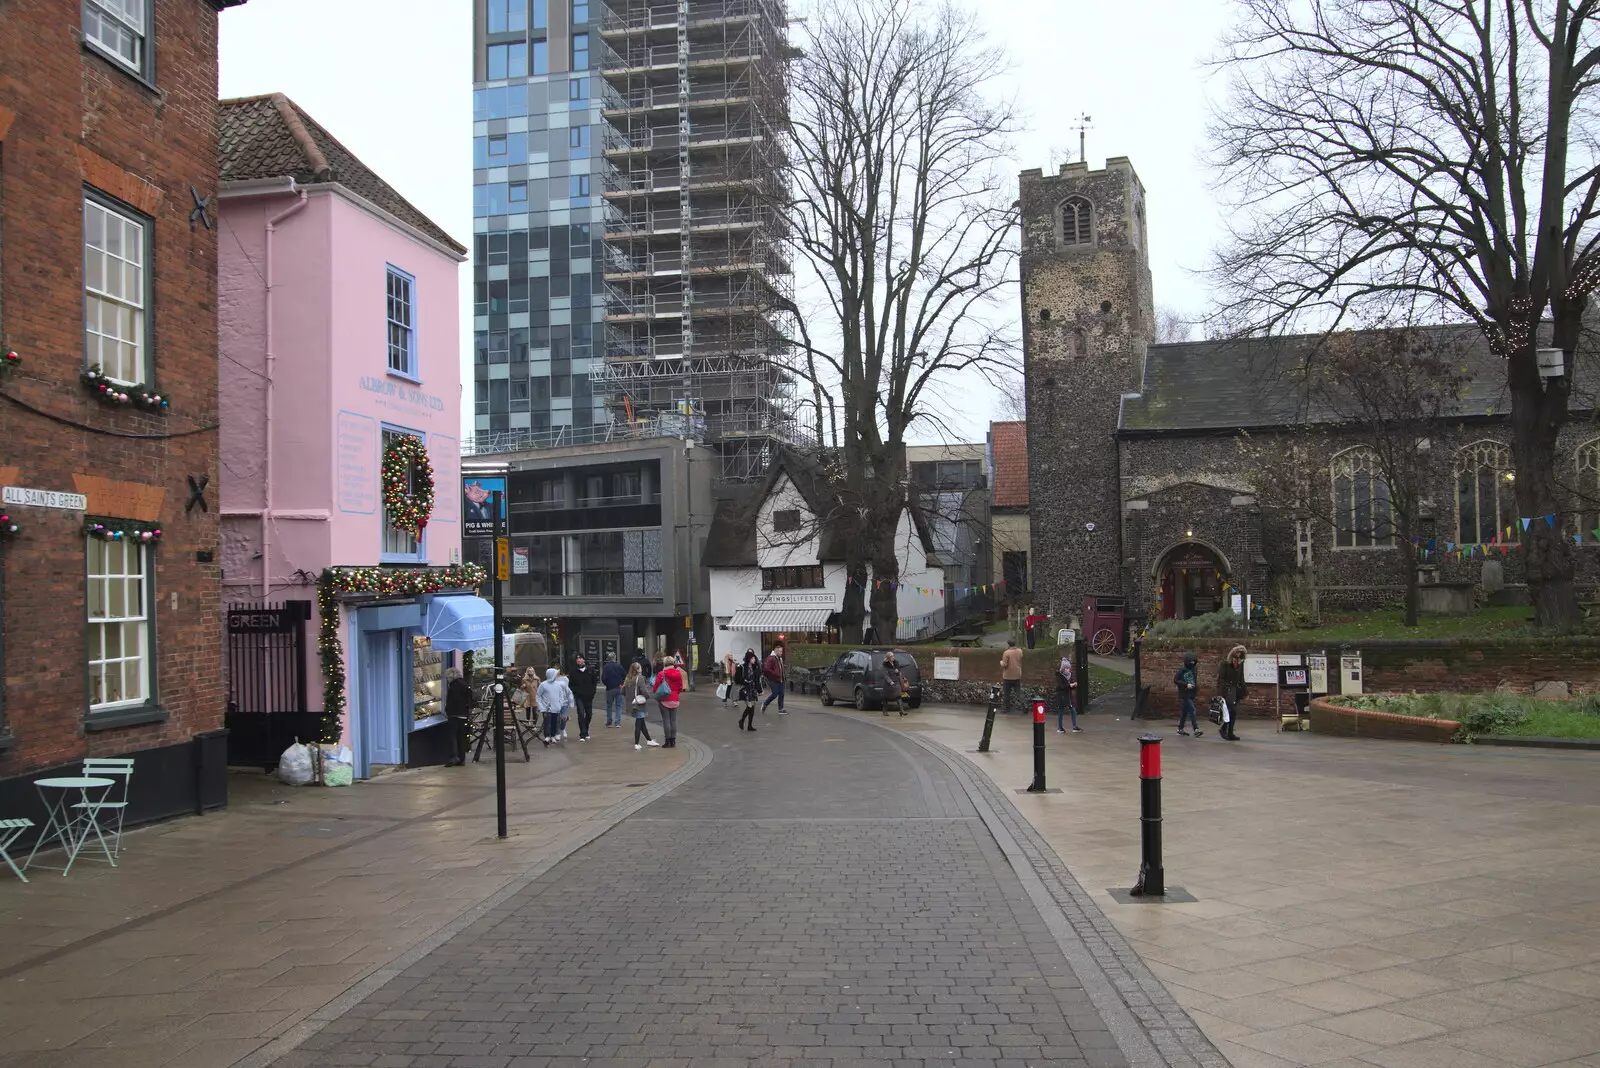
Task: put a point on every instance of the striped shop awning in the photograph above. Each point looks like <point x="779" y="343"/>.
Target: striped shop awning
<point x="784" y="619"/>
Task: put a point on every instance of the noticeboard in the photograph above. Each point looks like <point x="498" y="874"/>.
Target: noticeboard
<point x="1262" y="669"/>
<point x="947" y="668"/>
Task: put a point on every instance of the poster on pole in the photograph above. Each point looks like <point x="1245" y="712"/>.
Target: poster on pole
<point x="477" y="504"/>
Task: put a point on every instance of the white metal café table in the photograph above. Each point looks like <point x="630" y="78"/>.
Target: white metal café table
<point x="62" y="824"/>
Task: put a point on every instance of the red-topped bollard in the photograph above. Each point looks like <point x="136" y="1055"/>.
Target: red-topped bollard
<point x="1038" y="747"/>
<point x="1152" y="879"/>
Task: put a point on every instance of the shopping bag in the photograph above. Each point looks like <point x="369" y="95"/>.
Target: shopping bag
<point x="722" y="691"/>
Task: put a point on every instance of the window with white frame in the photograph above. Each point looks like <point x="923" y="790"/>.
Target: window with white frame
<point x="1361" y="513"/>
<point x="119" y="623"/>
<point x="398" y="544"/>
<point x="120" y="30"/>
<point x="402" y="323"/>
<point x="1588" y="490"/>
<point x="115" y="288"/>
<point x="1485" y="503"/>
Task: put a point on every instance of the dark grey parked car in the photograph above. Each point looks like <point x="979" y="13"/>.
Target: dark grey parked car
<point x="857" y="678"/>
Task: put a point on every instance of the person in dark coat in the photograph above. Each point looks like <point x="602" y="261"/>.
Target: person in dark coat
<point x="1232" y="690"/>
<point x="1187" y="680"/>
<point x="612" y="675"/>
<point x="748" y="676"/>
<point x="458" y="702"/>
<point x="582" y="681"/>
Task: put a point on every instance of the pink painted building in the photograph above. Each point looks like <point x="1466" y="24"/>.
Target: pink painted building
<point x="339" y="334"/>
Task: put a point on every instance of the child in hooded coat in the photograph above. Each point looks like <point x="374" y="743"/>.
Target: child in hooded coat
<point x="554" y="698"/>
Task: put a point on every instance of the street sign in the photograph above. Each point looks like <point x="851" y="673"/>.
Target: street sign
<point x="502" y="558"/>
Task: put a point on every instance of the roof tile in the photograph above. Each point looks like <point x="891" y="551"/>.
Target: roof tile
<point x="271" y="137"/>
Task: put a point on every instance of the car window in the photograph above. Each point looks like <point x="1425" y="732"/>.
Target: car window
<point x="842" y="663"/>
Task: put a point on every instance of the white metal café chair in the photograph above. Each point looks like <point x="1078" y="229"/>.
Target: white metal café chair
<point x="10" y="831"/>
<point x="114" y="802"/>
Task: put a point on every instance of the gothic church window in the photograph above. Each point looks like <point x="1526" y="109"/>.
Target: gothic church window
<point x="1588" y="495"/>
<point x="1361" y="513"/>
<point x="1485" y="505"/>
<point x="1074" y="222"/>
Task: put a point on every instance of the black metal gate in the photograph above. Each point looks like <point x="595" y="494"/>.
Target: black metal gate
<point x="267" y="681"/>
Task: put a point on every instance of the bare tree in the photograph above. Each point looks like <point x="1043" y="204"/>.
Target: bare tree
<point x="1434" y="160"/>
<point x="1172" y="326"/>
<point x="904" y="221"/>
<point x="1361" y="462"/>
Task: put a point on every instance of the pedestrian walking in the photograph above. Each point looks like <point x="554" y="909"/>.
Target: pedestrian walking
<point x="554" y="698"/>
<point x="1011" y="674"/>
<point x="1232" y="690"/>
<point x="612" y="676"/>
<point x="1188" y="683"/>
<point x="583" y="682"/>
<point x="728" y="668"/>
<point x="772" y="672"/>
<point x="749" y="679"/>
<point x="458" y="702"/>
<point x="670" y="684"/>
<point x="636" y="689"/>
<point x="1066" y="695"/>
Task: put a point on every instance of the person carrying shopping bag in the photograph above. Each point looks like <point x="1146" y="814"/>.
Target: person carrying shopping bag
<point x="636" y="689"/>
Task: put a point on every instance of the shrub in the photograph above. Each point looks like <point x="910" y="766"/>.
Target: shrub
<point x="1495" y="717"/>
<point x="1212" y="624"/>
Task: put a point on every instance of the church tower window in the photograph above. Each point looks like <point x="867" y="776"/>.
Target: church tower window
<point x="1588" y="488"/>
<point x="1362" y="517"/>
<point x="1484" y="499"/>
<point x="1074" y="222"/>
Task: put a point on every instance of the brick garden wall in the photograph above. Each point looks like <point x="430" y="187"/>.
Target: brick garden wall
<point x="1330" y="718"/>
<point x="72" y="119"/>
<point x="1395" y="666"/>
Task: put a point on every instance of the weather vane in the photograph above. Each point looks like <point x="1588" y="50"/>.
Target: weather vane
<point x="1085" y="123"/>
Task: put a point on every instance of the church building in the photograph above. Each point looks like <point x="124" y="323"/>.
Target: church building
<point x="1139" y="488"/>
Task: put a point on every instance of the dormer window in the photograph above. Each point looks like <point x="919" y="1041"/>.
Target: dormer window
<point x="1074" y="222"/>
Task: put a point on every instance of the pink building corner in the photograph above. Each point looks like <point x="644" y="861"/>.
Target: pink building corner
<point x="338" y="332"/>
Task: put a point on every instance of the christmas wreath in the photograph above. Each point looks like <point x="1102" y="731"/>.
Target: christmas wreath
<point x="407" y="484"/>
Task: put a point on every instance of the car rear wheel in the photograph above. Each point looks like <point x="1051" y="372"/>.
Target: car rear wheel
<point x="915" y="702"/>
<point x="827" y="698"/>
<point x="861" y="699"/>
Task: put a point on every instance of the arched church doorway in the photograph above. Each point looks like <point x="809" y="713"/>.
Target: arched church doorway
<point x="1191" y="576"/>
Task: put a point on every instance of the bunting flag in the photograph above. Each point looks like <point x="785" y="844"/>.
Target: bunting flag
<point x="1526" y="523"/>
<point x="1550" y="521"/>
<point x="1596" y="533"/>
<point x="1577" y="539"/>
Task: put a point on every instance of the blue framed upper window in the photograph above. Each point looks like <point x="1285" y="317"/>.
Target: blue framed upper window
<point x="508" y="61"/>
<point x="580" y="12"/>
<point x="541" y="14"/>
<point x="541" y="57"/>
<point x="580" y="51"/>
<point x="507" y="16"/>
<point x="402" y="314"/>
<point x="400" y="546"/>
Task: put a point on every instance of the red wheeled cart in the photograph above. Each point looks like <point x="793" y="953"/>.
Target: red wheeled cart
<point x="1104" y="620"/>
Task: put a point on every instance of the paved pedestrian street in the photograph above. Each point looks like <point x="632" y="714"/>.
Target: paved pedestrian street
<point x="840" y="889"/>
<point x="824" y="893"/>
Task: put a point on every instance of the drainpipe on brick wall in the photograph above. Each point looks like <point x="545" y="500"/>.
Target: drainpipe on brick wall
<point x="266" y="510"/>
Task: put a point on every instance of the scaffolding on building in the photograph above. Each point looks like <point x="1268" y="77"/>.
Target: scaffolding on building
<point x="697" y="281"/>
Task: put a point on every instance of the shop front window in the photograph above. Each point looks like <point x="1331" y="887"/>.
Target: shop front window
<point x="427" y="684"/>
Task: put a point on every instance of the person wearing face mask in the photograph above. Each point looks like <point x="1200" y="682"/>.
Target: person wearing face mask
<point x="583" y="682"/>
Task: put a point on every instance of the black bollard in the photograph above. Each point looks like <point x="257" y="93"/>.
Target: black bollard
<point x="1138" y="681"/>
<point x="1152" y="879"/>
<point x="988" y="720"/>
<point x="1038" y="747"/>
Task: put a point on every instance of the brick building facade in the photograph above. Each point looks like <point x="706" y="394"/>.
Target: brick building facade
<point x="112" y="639"/>
<point x="1140" y="486"/>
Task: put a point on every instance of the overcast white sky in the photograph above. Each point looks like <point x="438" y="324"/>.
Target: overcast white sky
<point x="392" y="79"/>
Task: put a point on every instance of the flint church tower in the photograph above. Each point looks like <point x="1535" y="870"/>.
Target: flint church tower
<point x="1087" y="315"/>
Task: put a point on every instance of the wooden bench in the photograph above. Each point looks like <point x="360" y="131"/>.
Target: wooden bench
<point x="966" y="641"/>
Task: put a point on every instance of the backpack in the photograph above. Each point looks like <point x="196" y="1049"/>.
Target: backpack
<point x="663" y="688"/>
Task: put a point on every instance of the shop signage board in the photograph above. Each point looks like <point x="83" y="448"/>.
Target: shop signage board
<point x="262" y="620"/>
<point x="519" y="560"/>
<point x="947" y="668"/>
<point x="1318" y="663"/>
<point x="38" y="498"/>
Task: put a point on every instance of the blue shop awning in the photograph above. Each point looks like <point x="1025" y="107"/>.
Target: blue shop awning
<point x="459" y="624"/>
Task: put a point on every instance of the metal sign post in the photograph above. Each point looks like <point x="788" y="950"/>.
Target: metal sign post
<point x="502" y="572"/>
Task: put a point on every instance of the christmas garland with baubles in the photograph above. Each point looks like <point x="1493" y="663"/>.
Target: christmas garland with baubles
<point x="115" y="395"/>
<point x="408" y="484"/>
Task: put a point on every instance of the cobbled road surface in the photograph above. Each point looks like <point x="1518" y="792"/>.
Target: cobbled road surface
<point x="823" y="893"/>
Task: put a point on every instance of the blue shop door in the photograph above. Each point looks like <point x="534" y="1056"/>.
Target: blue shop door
<point x="381" y="697"/>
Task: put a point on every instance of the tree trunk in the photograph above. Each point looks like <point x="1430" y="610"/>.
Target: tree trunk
<point x="886" y="577"/>
<point x="853" y="612"/>
<point x="1538" y="411"/>
<point x="1408" y="560"/>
